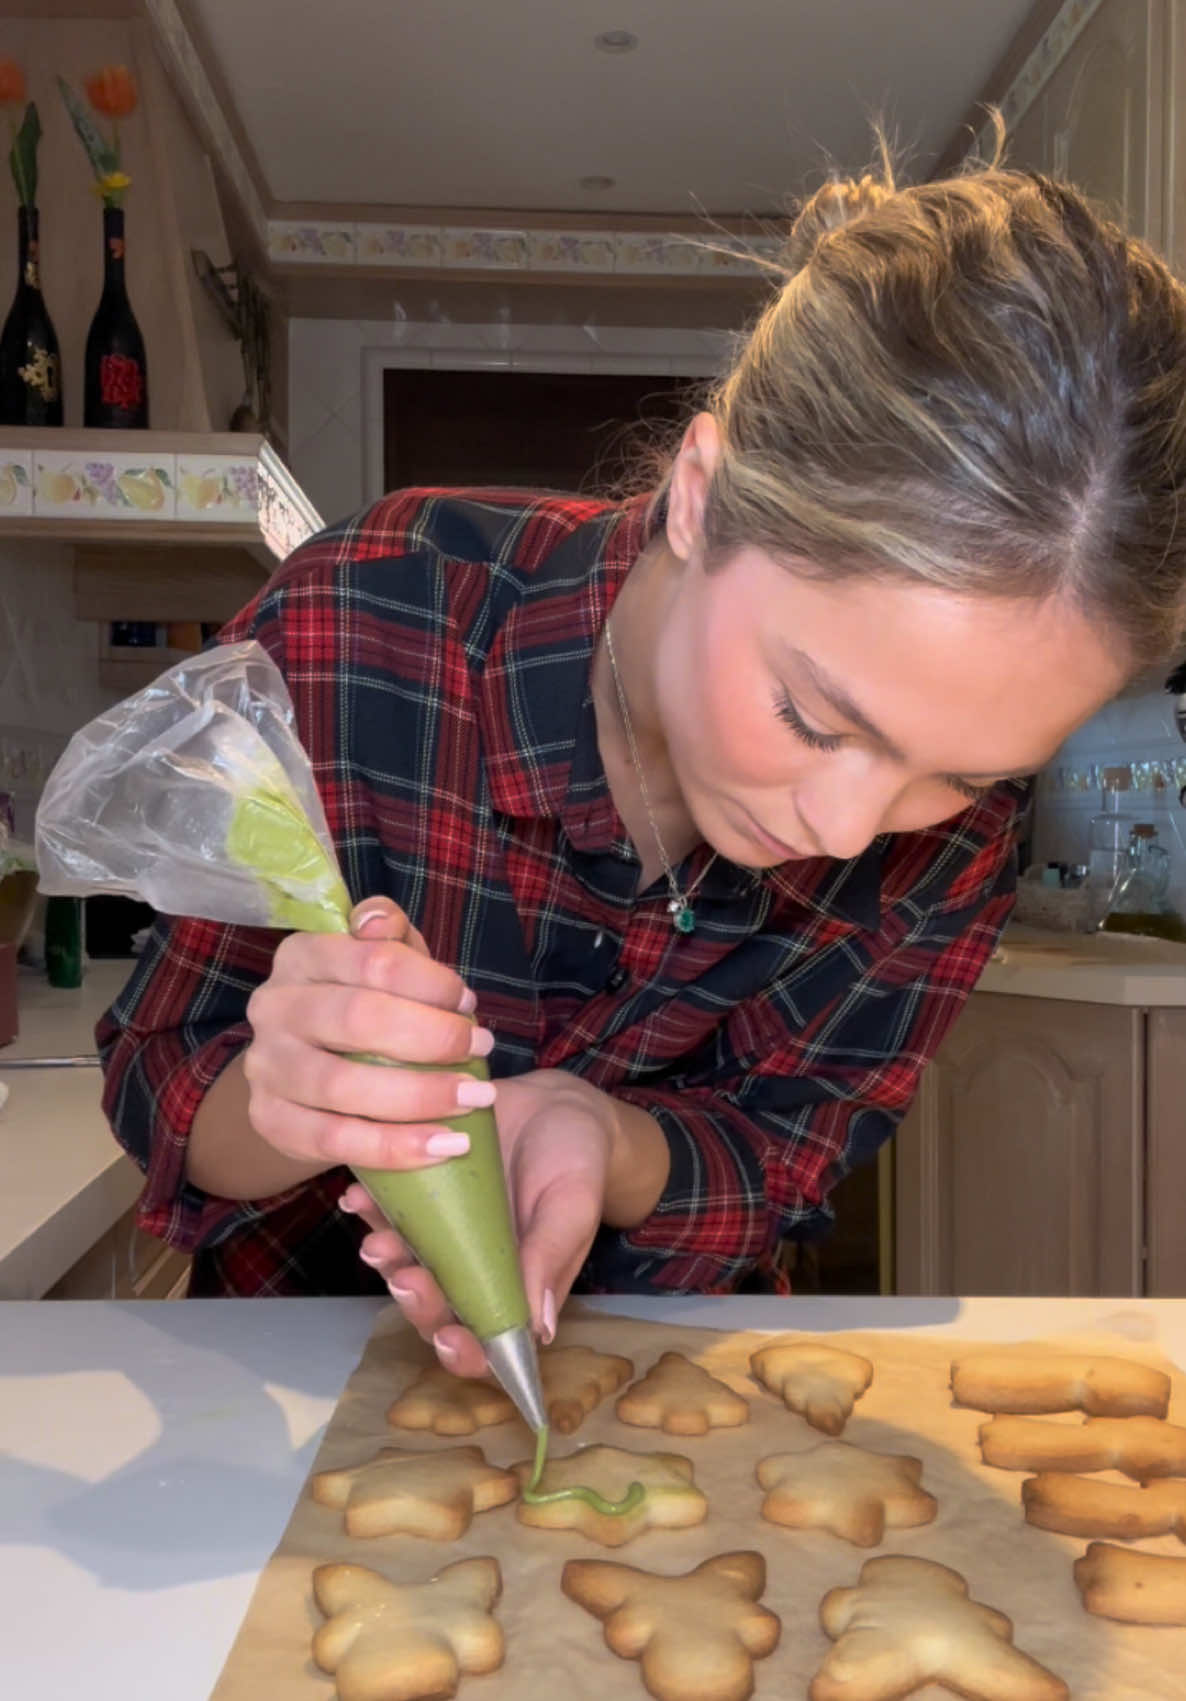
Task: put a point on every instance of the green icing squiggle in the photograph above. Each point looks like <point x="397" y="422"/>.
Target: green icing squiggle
<point x="534" y="1496"/>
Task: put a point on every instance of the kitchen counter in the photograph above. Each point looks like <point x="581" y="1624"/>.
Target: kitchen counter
<point x="64" y="1182"/>
<point x="1087" y="968"/>
<point x="150" y="1455"/>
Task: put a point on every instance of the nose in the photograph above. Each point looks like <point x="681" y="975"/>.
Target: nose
<point x="844" y="812"/>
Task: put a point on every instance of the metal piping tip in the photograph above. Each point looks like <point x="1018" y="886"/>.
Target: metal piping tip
<point x="514" y="1361"/>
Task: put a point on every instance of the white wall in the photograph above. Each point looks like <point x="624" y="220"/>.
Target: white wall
<point x="49" y="668"/>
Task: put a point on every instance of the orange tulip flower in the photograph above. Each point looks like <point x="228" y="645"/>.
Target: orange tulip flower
<point x="112" y="91"/>
<point x="12" y="82"/>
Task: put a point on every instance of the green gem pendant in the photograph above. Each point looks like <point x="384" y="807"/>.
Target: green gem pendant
<point x="682" y="918"/>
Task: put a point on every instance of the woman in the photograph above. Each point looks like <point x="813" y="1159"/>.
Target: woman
<point x="705" y="804"/>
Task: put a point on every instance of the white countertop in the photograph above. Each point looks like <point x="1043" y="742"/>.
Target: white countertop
<point x="1087" y="968"/>
<point x="63" y="1179"/>
<point x="150" y="1454"/>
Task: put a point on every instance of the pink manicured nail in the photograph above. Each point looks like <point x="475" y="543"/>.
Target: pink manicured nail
<point x="481" y="1042"/>
<point x="350" y="1210"/>
<point x="368" y="916"/>
<point x="469" y="1002"/>
<point x="475" y="1095"/>
<point x="398" y="1293"/>
<point x="447" y="1145"/>
<point x="374" y="1259"/>
<point x="445" y="1352"/>
<point x="548" y="1319"/>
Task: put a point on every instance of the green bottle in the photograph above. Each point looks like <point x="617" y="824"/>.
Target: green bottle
<point x="63" y="941"/>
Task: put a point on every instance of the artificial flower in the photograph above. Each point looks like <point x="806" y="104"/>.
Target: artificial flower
<point x="12" y="83"/>
<point x="112" y="91"/>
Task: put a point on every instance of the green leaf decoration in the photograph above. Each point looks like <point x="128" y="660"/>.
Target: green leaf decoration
<point x="103" y="158"/>
<point x="19" y="473"/>
<point x="23" y="158"/>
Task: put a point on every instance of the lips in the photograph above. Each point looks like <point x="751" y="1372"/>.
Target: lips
<point x="786" y="853"/>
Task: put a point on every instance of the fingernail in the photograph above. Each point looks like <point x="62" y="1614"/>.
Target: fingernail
<point x="475" y="1095"/>
<point x="374" y="1259"/>
<point x="469" y="1002"/>
<point x="548" y="1318"/>
<point x="445" y="1352"/>
<point x="448" y="1144"/>
<point x="361" y="921"/>
<point x="481" y="1042"/>
<point x="398" y="1293"/>
<point x="344" y="1205"/>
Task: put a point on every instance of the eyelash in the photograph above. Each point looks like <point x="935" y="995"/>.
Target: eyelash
<point x="826" y="742"/>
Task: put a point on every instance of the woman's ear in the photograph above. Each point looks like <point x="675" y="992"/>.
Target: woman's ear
<point x="687" y="492"/>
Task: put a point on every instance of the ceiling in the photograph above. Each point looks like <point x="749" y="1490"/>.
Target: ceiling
<point x="725" y="105"/>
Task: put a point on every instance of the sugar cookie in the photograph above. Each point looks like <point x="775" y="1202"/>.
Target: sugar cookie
<point x="1003" y="1381"/>
<point x="680" y="1398"/>
<point x="697" y="1635"/>
<point x="910" y="1622"/>
<point x="435" y="1495"/>
<point x="1084" y="1506"/>
<point x="385" y="1641"/>
<point x="1140" y="1447"/>
<point x="820" y="1382"/>
<point x="853" y="1493"/>
<point x="1137" y="1588"/>
<point x="576" y="1379"/>
<point x="450" y="1405"/>
<point x="671" y="1499"/>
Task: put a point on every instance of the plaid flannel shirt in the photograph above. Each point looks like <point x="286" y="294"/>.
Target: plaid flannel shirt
<point x="438" y="650"/>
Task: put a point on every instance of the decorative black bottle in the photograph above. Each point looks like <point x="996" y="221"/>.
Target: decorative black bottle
<point x="30" y="365"/>
<point x="116" y="377"/>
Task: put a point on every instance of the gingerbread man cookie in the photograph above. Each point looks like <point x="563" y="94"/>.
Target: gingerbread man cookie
<point x="387" y="1641"/>
<point x="697" y="1635"/>
<point x="910" y="1622"/>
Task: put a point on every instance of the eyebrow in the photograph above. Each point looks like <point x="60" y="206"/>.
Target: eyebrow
<point x="835" y="694"/>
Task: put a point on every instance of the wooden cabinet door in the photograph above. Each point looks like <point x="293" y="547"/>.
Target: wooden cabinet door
<point x="1165" y="1272"/>
<point x="1020" y="1168"/>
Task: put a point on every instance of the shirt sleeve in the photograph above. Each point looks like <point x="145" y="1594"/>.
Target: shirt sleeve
<point x="755" y="1152"/>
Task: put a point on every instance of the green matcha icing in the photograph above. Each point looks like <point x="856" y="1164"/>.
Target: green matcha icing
<point x="270" y="836"/>
<point x="534" y="1496"/>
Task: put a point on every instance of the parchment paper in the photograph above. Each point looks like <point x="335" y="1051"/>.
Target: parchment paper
<point x="553" y="1646"/>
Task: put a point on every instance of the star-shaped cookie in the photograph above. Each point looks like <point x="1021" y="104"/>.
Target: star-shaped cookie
<point x="697" y="1635"/>
<point x="385" y="1641"/>
<point x="851" y="1492"/>
<point x="575" y="1379"/>
<point x="435" y="1495"/>
<point x="671" y="1501"/>
<point x="681" y="1398"/>
<point x="909" y="1622"/>
<point x="450" y="1405"/>
<point x="820" y="1383"/>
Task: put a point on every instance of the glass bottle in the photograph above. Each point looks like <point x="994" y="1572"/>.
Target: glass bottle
<point x="1108" y="837"/>
<point x="30" y="363"/>
<point x="1140" y="903"/>
<point x="116" y="372"/>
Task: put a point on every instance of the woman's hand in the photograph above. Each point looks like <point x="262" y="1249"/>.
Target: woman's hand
<point x="374" y="990"/>
<point x="557" y="1135"/>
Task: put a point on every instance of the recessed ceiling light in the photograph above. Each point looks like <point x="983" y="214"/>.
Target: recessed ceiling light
<point x="615" y="41"/>
<point x="596" y="182"/>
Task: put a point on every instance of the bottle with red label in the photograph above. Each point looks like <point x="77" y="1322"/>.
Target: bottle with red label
<point x="116" y="372"/>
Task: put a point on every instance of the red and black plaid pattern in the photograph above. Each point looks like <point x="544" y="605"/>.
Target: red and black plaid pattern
<point x="438" y="651"/>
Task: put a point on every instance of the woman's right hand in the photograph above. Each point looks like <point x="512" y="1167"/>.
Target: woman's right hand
<point x="377" y="990"/>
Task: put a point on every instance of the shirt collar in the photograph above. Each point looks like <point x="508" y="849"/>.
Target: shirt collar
<point x="539" y="729"/>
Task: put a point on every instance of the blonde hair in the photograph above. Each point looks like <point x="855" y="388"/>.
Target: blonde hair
<point x="978" y="384"/>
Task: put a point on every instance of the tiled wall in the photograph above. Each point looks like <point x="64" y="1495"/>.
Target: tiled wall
<point x="329" y="360"/>
<point x="1134" y="732"/>
<point x="49" y="668"/>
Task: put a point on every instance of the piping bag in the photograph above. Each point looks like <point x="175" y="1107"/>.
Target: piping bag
<point x="196" y="796"/>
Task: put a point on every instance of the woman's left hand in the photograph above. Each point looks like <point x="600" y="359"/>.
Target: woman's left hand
<point x="557" y="1135"/>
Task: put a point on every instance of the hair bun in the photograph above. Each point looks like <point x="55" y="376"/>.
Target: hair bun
<point x="835" y="204"/>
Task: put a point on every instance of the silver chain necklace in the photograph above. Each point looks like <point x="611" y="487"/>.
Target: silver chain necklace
<point x="679" y="904"/>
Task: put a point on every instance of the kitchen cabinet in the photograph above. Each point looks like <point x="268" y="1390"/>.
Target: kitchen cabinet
<point x="125" y="1263"/>
<point x="1021" y="1167"/>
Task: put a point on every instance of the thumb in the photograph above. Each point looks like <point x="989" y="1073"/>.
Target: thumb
<point x="382" y="918"/>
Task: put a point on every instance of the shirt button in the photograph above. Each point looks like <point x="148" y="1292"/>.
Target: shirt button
<point x="617" y="980"/>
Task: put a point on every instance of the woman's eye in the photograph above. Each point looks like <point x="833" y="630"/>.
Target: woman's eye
<point x="966" y="789"/>
<point x="790" y="716"/>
